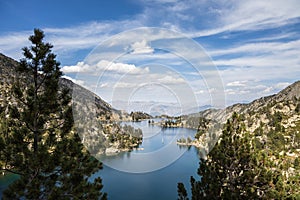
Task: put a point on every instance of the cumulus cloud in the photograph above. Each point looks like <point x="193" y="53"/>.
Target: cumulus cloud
<point x="141" y="48"/>
<point x="79" y="82"/>
<point x="104" y="66"/>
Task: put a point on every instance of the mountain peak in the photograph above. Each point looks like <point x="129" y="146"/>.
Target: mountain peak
<point x="289" y="92"/>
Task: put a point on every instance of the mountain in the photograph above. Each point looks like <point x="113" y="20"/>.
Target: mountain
<point x="8" y="68"/>
<point x="274" y="118"/>
<point x="249" y="151"/>
<point x="155" y="108"/>
<point x="95" y="119"/>
<point x="290" y="95"/>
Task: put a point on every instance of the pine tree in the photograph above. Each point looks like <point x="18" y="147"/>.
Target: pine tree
<point x="237" y="169"/>
<point x="182" y="194"/>
<point x="232" y="169"/>
<point x="40" y="143"/>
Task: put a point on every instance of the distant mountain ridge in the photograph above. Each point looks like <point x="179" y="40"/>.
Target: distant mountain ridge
<point x="287" y="94"/>
<point x="156" y="108"/>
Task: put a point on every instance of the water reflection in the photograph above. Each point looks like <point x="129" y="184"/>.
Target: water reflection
<point x="158" y="150"/>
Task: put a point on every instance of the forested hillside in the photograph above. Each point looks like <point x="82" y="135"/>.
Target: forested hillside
<point x="257" y="153"/>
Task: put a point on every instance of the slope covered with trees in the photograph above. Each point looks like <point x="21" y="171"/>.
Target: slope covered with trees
<point x="257" y="154"/>
<point x="37" y="137"/>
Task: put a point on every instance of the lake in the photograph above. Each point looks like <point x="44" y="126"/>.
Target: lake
<point x="150" y="172"/>
<point x="138" y="178"/>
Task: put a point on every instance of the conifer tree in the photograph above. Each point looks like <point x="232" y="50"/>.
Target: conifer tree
<point x="40" y="143"/>
<point x="182" y="194"/>
<point x="232" y="169"/>
<point x="237" y="169"/>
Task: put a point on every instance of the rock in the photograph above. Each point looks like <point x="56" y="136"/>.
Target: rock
<point x="111" y="150"/>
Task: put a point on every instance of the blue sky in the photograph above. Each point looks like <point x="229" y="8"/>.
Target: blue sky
<point x="254" y="44"/>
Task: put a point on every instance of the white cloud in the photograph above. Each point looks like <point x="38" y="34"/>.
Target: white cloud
<point x="68" y="39"/>
<point x="282" y="85"/>
<point x="200" y="92"/>
<point x="267" y="90"/>
<point x="237" y="83"/>
<point x="12" y="43"/>
<point x="274" y="88"/>
<point x="287" y="61"/>
<point x="126" y="85"/>
<point x="103" y="85"/>
<point x="230" y="91"/>
<point x="225" y="16"/>
<point x="171" y="80"/>
<point x="251" y="15"/>
<point x="79" y="67"/>
<point x="141" y="48"/>
<point x="104" y="66"/>
<point x="276" y="37"/>
<point x="79" y="82"/>
<point x="257" y="61"/>
<point x="121" y="68"/>
<point x="259" y="48"/>
<point x="261" y="14"/>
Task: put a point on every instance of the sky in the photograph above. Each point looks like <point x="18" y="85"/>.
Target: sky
<point x="142" y="51"/>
